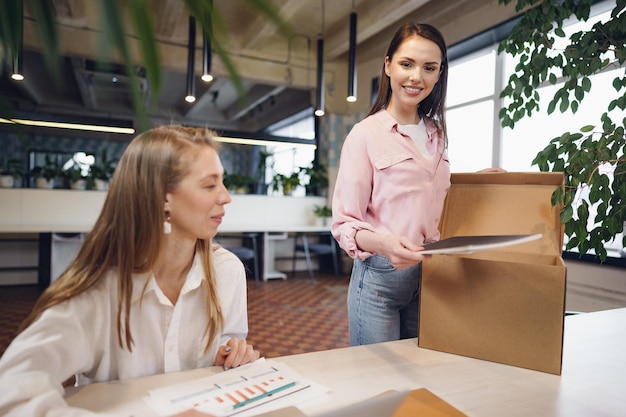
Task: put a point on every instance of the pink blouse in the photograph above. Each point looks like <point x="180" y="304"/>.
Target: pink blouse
<point x="386" y="185"/>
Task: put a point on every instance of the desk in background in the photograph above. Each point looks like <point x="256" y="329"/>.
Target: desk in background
<point x="271" y="234"/>
<point x="31" y="210"/>
<point x="592" y="382"/>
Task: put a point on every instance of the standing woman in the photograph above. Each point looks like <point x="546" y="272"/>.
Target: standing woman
<point x="148" y="292"/>
<point x="392" y="181"/>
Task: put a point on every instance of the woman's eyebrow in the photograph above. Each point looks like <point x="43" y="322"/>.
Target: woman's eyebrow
<point x="406" y="58"/>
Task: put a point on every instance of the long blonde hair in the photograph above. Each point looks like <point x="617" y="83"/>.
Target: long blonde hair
<point x="128" y="233"/>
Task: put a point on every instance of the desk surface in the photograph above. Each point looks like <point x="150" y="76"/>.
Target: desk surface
<point x="592" y="382"/>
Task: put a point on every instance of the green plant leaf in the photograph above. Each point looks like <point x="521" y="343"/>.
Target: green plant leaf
<point x="145" y="31"/>
<point x="578" y="155"/>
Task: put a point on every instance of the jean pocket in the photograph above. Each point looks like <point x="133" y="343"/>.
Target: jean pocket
<point x="379" y="263"/>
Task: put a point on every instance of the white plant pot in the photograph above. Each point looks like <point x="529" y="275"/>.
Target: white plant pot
<point x="44" y="183"/>
<point x="323" y="221"/>
<point x="7" y="181"/>
<point x="79" y="185"/>
<point x="101" y="185"/>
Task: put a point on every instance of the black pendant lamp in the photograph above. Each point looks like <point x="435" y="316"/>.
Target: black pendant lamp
<point x="17" y="60"/>
<point x="351" y="97"/>
<point x="207" y="58"/>
<point x="190" y="97"/>
<point x="319" y="108"/>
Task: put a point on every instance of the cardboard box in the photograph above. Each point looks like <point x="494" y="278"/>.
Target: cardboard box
<point x="418" y="402"/>
<point x="505" y="305"/>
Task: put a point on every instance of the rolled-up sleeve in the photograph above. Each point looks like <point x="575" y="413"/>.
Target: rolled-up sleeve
<point x="352" y="194"/>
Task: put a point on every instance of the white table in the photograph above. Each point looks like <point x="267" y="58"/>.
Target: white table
<point x="593" y="381"/>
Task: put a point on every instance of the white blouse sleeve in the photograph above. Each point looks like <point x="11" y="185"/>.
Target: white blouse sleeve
<point x="60" y="343"/>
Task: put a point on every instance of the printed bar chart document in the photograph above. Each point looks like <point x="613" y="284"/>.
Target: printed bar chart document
<point x="471" y="244"/>
<point x="245" y="391"/>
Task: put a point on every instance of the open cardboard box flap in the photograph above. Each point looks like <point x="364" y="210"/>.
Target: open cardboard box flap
<point x="418" y="402"/>
<point x="505" y="305"/>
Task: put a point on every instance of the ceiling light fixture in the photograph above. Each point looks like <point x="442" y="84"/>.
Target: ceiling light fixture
<point x="319" y="109"/>
<point x="17" y="61"/>
<point x="319" y="105"/>
<point x="352" y="59"/>
<point x="262" y="142"/>
<point x="73" y="126"/>
<point x="207" y="58"/>
<point x="191" y="61"/>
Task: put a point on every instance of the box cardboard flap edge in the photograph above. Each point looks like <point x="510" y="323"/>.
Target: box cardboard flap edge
<point x="509" y="203"/>
<point x="505" y="305"/>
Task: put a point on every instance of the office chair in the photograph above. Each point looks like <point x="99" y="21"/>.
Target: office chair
<point x="247" y="253"/>
<point x="315" y="249"/>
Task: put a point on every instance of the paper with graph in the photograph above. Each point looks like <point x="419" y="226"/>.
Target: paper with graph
<point x="470" y="244"/>
<point x="246" y="391"/>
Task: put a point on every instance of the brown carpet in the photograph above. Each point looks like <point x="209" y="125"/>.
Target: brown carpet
<point x="285" y="316"/>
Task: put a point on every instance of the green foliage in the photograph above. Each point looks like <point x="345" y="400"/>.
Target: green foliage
<point x="237" y="182"/>
<point x="317" y="176"/>
<point x="582" y="155"/>
<point x="322" y="211"/>
<point x="12" y="167"/>
<point x="285" y="182"/>
<point x="103" y="169"/>
<point x="49" y="170"/>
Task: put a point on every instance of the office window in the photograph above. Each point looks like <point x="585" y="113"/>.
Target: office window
<point x="471" y="77"/>
<point x="470" y="111"/>
<point x="287" y="158"/>
<point x="475" y="137"/>
<point x="470" y="134"/>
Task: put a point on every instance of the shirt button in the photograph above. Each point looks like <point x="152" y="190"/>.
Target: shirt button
<point x="170" y="348"/>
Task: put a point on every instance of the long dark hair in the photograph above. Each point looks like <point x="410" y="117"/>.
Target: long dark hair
<point x="433" y="106"/>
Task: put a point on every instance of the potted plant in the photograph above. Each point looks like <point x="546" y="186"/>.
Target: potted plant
<point x="286" y="183"/>
<point x="100" y="173"/>
<point x="323" y="215"/>
<point x="238" y="183"/>
<point x="45" y="174"/>
<point x="78" y="177"/>
<point x="10" y="172"/>
<point x="318" y="179"/>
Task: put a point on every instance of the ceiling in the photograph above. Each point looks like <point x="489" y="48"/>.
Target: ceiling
<point x="278" y="70"/>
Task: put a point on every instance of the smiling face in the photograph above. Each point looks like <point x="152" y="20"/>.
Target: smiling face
<point x="196" y="206"/>
<point x="413" y="71"/>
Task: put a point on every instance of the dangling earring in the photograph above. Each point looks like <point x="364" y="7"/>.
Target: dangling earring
<point x="167" y="226"/>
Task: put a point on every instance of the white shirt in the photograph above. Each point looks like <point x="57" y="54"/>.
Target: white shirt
<point x="80" y="337"/>
<point x="418" y="134"/>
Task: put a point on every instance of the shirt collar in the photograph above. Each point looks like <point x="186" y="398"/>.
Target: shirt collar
<point x="391" y="124"/>
<point x="192" y="281"/>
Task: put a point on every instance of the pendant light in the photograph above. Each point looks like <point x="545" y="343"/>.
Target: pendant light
<point x="319" y="108"/>
<point x="207" y="58"/>
<point x="319" y="105"/>
<point x="17" y="60"/>
<point x="352" y="58"/>
<point x="191" y="61"/>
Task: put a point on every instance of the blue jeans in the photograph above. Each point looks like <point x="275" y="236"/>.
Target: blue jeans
<point x="382" y="301"/>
